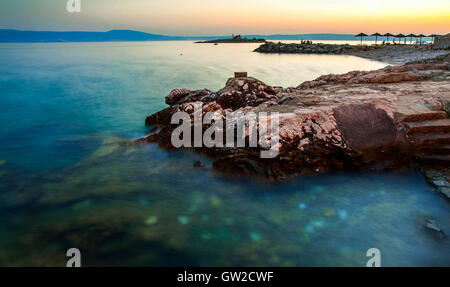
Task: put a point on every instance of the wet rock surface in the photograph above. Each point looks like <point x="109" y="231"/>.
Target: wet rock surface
<point x="432" y="225"/>
<point x="360" y="120"/>
<point x="439" y="177"/>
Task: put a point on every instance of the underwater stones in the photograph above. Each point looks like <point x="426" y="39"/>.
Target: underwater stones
<point x="182" y="219"/>
<point x="309" y="228"/>
<point x="151" y="220"/>
<point x="342" y="214"/>
<point x="215" y="201"/>
<point x="254" y="236"/>
<point x="439" y="178"/>
<point x="2" y="162"/>
<point x="329" y="212"/>
<point x="198" y="164"/>
<point x="431" y="224"/>
<point x="445" y="191"/>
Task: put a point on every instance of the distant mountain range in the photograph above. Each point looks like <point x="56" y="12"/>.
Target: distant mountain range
<point x="129" y="35"/>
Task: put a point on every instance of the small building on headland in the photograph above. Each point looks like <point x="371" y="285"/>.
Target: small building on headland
<point x="442" y="42"/>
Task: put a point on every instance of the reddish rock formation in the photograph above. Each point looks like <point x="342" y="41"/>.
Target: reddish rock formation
<point x="358" y="120"/>
<point x="389" y="74"/>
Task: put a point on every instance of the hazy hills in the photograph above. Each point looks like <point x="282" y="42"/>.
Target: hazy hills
<point x="129" y="35"/>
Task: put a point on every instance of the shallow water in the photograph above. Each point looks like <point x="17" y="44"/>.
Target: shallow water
<point x="66" y="180"/>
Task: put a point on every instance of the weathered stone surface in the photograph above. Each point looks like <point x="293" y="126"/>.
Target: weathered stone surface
<point x="179" y="96"/>
<point x="358" y="120"/>
<point x="439" y="178"/>
<point x="390" y="74"/>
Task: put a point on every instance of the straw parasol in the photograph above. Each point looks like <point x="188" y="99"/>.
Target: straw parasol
<point x="433" y="37"/>
<point x="420" y="37"/>
<point x="387" y="35"/>
<point x="400" y="36"/>
<point x="411" y="36"/>
<point x="376" y="37"/>
<point x="361" y="35"/>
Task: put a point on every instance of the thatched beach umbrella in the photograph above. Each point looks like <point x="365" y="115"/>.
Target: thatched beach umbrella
<point x="420" y="37"/>
<point x="411" y="36"/>
<point x="361" y="35"/>
<point x="400" y="36"/>
<point x="387" y="35"/>
<point x="376" y="37"/>
<point x="433" y="37"/>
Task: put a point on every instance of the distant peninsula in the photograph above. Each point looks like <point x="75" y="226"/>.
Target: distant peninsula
<point x="19" y="36"/>
<point x="234" y="39"/>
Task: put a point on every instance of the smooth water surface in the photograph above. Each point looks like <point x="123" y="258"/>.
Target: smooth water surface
<point x="67" y="181"/>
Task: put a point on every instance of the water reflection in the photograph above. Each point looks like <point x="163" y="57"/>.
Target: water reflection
<point x="126" y="206"/>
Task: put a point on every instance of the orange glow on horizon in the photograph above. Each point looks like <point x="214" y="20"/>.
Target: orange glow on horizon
<point x="223" y="17"/>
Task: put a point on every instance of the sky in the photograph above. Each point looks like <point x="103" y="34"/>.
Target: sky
<point x="224" y="17"/>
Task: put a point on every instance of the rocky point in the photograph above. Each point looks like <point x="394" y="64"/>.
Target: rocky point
<point x="383" y="119"/>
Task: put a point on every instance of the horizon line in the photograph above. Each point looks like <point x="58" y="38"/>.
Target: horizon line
<point x="151" y="33"/>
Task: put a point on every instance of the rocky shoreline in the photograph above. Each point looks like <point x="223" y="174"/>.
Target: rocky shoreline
<point x="393" y="54"/>
<point x="235" y="39"/>
<point x="375" y="120"/>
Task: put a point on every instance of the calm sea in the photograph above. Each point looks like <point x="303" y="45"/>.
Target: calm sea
<point x="66" y="181"/>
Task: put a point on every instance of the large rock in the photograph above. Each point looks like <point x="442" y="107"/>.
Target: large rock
<point x="358" y="120"/>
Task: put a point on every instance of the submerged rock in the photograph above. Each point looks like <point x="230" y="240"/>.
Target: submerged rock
<point x="182" y="219"/>
<point x="432" y="225"/>
<point x="151" y="220"/>
<point x="439" y="177"/>
<point x="198" y="164"/>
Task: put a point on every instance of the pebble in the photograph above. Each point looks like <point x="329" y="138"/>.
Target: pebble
<point x="151" y="220"/>
<point x="183" y="219"/>
<point x="254" y="236"/>
<point x="215" y="201"/>
<point x="198" y="164"/>
<point x="342" y="214"/>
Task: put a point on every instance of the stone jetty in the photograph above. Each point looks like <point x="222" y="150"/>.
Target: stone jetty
<point x="393" y="54"/>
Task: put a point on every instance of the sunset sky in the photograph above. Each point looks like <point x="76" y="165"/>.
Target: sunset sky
<point x="223" y="17"/>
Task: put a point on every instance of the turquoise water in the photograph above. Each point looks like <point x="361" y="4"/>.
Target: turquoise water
<point x="66" y="181"/>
